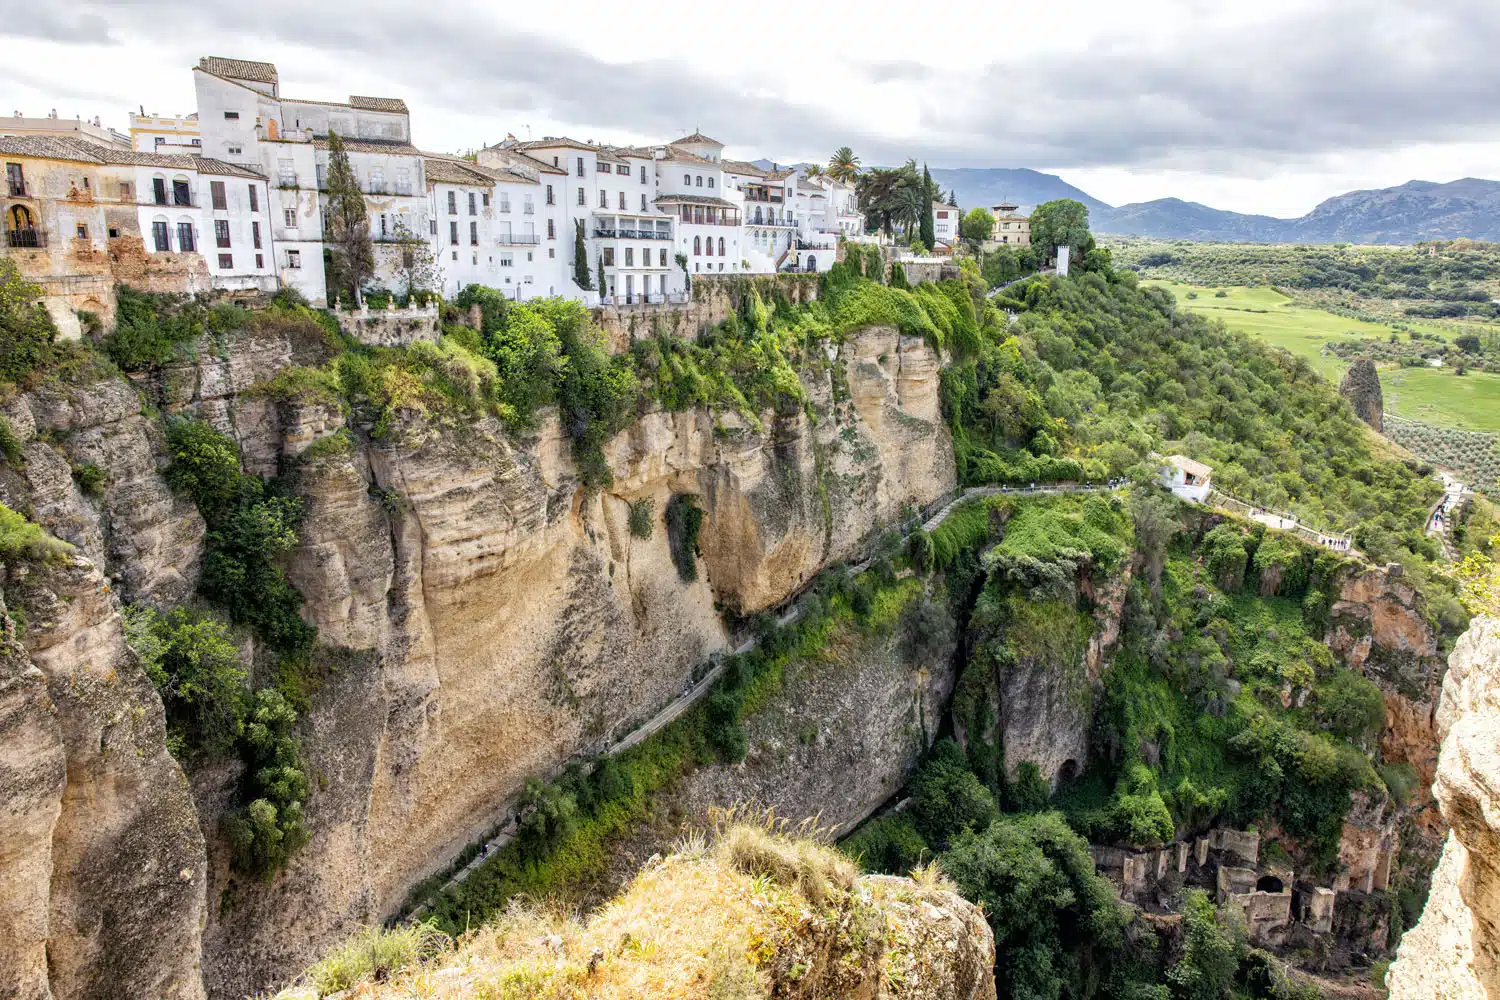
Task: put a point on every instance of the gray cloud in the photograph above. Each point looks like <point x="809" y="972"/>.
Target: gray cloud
<point x="50" y="23"/>
<point x="1353" y="75"/>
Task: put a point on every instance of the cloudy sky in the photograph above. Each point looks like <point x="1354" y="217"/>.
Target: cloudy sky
<point x="1268" y="106"/>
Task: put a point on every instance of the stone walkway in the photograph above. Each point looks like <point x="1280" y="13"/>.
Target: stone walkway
<point x="1440" y="519"/>
<point x="1282" y="521"/>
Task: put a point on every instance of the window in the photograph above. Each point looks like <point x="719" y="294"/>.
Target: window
<point x="221" y="233"/>
<point x="294" y="258"/>
<point x="403" y="180"/>
<point x="505" y="201"/>
<point x="601" y="166"/>
<point x="452" y="202"/>
<point x="484" y="199"/>
<point x="609" y="256"/>
<point x="114" y="234"/>
<point x="473" y="234"/>
<point x="643" y="173"/>
<point x="83" y="231"/>
<point x="230" y="116"/>
<point x="159" y="190"/>
<point x="551" y="229"/>
<point x="526" y="280"/>
<point x="377" y="180"/>
<point x="181" y="195"/>
<point x="127" y="191"/>
<point x="472" y="210"/>
<point x="226" y="262"/>
<point x="630" y="256"/>
<point x="17" y="180"/>
<point x="603" y="199"/>
<point x="708" y="247"/>
<point x="580" y="197"/>
<point x="687" y="180"/>
<point x="721" y="246"/>
<point x="382" y="224"/>
<point x="643" y="201"/>
<point x="255" y="234"/>
<point x="216" y="193"/>
<point x="185" y="239"/>
<point x="254" y="199"/>
<point x="233" y="150"/>
<point x="622" y="168"/>
<point x="453" y="234"/>
<point x="530" y="256"/>
<point x="260" y="261"/>
<point x="507" y="260"/>
<point x="622" y="201"/>
<point x="161" y="236"/>
<point x="528" y="207"/>
<point x="320" y="170"/>
<point x="286" y="173"/>
<point x="549" y="195"/>
<point x="710" y="182"/>
<point x="289" y="218"/>
<point x="698" y="181"/>
<point x="662" y="257"/>
<point x="697" y="246"/>
<point x="552" y="252"/>
<point x="580" y="166"/>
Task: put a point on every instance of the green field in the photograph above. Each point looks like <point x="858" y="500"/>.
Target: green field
<point x="1434" y="395"/>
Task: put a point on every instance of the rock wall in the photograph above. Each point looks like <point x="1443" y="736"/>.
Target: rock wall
<point x="1454" y="951"/>
<point x="486" y="619"/>
<point x="1361" y="387"/>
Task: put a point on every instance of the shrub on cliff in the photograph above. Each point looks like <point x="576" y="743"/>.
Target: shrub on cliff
<point x="196" y="669"/>
<point x="25" y="541"/>
<point x="684" y="520"/>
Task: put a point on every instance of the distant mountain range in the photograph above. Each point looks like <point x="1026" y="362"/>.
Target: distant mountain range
<point x="1417" y="210"/>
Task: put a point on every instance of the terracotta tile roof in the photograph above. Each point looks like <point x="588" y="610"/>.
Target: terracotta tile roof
<point x="676" y="155"/>
<point x="394" y="146"/>
<point x="696" y="199"/>
<point x="394" y="105"/>
<point x="81" y="150"/>
<point x="445" y="170"/>
<point x="639" y="152"/>
<point x="743" y="168"/>
<point x="554" y="142"/>
<point x="1189" y="466"/>
<point x="222" y="168"/>
<point x="239" y="69"/>
<point x="541" y="165"/>
<point x="697" y="137"/>
<point x="777" y="175"/>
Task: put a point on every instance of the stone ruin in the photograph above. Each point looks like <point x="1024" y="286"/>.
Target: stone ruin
<point x="1227" y="863"/>
<point x="1361" y="387"/>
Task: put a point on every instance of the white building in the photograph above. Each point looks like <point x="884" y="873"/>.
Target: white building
<point x="165" y="133"/>
<point x="491" y="226"/>
<point x="244" y="119"/>
<point x="1188" y="480"/>
<point x="945" y="219"/>
<point x="769" y="215"/>
<point x="690" y="178"/>
<point x="18" y="125"/>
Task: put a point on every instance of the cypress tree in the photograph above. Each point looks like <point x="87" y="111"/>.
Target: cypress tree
<point x="348" y="221"/>
<point x="927" y="235"/>
<point x="580" y="258"/>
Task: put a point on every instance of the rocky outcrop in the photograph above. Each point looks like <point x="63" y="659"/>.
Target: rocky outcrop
<point x="102" y="881"/>
<point x="1454" y="951"/>
<point x="1361" y="387"/>
<point x="755" y="915"/>
<point x="484" y="618"/>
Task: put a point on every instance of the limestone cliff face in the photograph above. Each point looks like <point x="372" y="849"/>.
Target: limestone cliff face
<point x="488" y="619"/>
<point x="102" y="885"/>
<point x="1454" y="951"/>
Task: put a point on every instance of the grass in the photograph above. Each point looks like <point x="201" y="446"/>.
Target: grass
<point x="1270" y="316"/>
<point x="1433" y="395"/>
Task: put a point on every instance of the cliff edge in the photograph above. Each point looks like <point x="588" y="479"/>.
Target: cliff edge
<point x="1454" y="951"/>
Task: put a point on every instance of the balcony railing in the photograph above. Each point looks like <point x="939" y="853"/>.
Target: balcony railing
<point x="25" y="239"/>
<point x="643" y="298"/>
<point x="171" y="200"/>
<point x="757" y="220"/>
<point x="528" y="210"/>
<point x="518" y="239"/>
<point x="17" y="189"/>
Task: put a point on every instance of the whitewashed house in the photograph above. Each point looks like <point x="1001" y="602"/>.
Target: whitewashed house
<point x="1187" y="479"/>
<point x="165" y="133"/>
<point x="945" y="219"/>
<point x="690" y="176"/>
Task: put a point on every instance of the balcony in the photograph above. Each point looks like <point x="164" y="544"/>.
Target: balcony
<point x="17" y="189"/>
<point x="528" y="209"/>
<point x="25" y="239"/>
<point x="173" y="201"/>
<point x="518" y="239"/>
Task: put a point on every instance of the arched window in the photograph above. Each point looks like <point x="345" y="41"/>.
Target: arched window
<point x="697" y="246"/>
<point x="721" y="246"/>
<point x="710" y="182"/>
<point x="699" y="180"/>
<point x="708" y="247"/>
<point x="687" y="180"/>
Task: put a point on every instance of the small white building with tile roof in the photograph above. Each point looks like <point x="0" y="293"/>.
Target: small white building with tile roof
<point x="1187" y="479"/>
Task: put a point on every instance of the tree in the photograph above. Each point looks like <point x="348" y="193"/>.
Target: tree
<point x="1154" y="513"/>
<point x="813" y="171"/>
<point x="348" y="221"/>
<point x="1211" y="952"/>
<point x="928" y="234"/>
<point x="603" y="288"/>
<point x="1054" y="918"/>
<point x="843" y="165"/>
<point x="1063" y="222"/>
<point x="417" y="266"/>
<point x="977" y="226"/>
<point x="580" y="258"/>
<point x="26" y="331"/>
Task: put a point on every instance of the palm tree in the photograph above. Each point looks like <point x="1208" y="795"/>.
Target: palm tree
<point x="843" y="165"/>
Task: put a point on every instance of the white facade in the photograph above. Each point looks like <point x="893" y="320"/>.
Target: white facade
<point x="1188" y="480"/>
<point x="216" y="209"/>
<point x="165" y="134"/>
<point x="492" y="227"/>
<point x="945" y="219"/>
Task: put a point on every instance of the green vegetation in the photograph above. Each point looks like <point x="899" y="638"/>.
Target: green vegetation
<point x="25" y="541"/>
<point x="1061" y="223"/>
<point x="684" y="521"/>
<point x="11" y="449"/>
<point x="1473" y="455"/>
<point x="372" y="955"/>
<point x="1441" y="396"/>
<point x="642" y="517"/>
<point x="29" y="350"/>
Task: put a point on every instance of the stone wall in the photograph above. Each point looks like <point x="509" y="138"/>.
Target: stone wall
<point x="709" y="303"/>
<point x="391" y="327"/>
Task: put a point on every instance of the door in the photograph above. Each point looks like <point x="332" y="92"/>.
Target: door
<point x="629" y="288"/>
